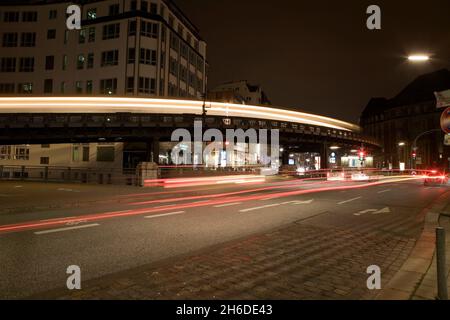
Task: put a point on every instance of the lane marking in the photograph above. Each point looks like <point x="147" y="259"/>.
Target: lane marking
<point x="66" y="229"/>
<point x="349" y="200"/>
<point x="261" y="207"/>
<point x="298" y="202"/>
<point x="227" y="204"/>
<point x="164" y="214"/>
<point x="383" y="191"/>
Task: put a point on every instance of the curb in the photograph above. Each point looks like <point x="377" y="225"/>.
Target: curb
<point x="404" y="284"/>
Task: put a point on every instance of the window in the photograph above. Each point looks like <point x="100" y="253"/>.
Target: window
<point x="132" y="28"/>
<point x="149" y="29"/>
<point x="171" y="21"/>
<point x="90" y="61"/>
<point x="105" y="154"/>
<point x="131" y="55"/>
<point x="26" y="64"/>
<point x="62" y="88"/>
<point x="147" y="56"/>
<point x="8" y="65"/>
<point x="80" y="153"/>
<point x="22" y="153"/>
<point x="173" y="67"/>
<point x="10" y="39"/>
<point x="82" y="36"/>
<point x="52" y="14"/>
<point x="7" y="87"/>
<point x="48" y="86"/>
<point x="28" y="39"/>
<point x="92" y="14"/>
<point x="91" y="34"/>
<point x="174" y="42"/>
<point x="11" y="16"/>
<point x="25" y="88"/>
<point x="65" y="62"/>
<point x="80" y="61"/>
<point x="111" y="31"/>
<point x="147" y="85"/>
<point x="114" y="10"/>
<point x="110" y="58"/>
<point x="66" y="36"/>
<point x="108" y="86"/>
<point x="144" y="6"/>
<point x="51" y="34"/>
<point x="89" y="87"/>
<point x="29" y="16"/>
<point x="79" y="87"/>
<point x="5" y="152"/>
<point x="85" y="153"/>
<point x="133" y="5"/>
<point x="153" y="8"/>
<point x="45" y="160"/>
<point x="130" y="85"/>
<point x="49" y="62"/>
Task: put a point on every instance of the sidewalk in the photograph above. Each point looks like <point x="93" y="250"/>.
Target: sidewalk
<point x="417" y="277"/>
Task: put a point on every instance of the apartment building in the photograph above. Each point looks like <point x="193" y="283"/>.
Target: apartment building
<point x="124" y="48"/>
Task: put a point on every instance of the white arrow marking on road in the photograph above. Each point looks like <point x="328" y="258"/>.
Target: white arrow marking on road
<point x="364" y="211"/>
<point x="384" y="210"/>
<point x="349" y="200"/>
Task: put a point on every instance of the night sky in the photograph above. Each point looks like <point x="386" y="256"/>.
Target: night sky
<point x="319" y="56"/>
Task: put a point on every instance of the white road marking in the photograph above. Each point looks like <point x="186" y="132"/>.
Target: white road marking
<point x="61" y="218"/>
<point x="261" y="207"/>
<point x="66" y="229"/>
<point x="349" y="200"/>
<point x="364" y="211"/>
<point x="383" y="191"/>
<point x="384" y="210"/>
<point x="227" y="204"/>
<point x="298" y="202"/>
<point x="164" y="214"/>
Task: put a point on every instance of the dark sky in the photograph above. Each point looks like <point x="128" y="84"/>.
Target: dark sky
<point x="318" y="55"/>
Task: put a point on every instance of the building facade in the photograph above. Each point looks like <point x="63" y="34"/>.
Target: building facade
<point x="410" y="119"/>
<point x="124" y="48"/>
<point x="239" y="92"/>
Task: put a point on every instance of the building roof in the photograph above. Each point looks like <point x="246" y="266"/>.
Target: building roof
<point x="422" y="89"/>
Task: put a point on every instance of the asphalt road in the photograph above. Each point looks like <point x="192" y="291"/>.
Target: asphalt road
<point x="118" y="232"/>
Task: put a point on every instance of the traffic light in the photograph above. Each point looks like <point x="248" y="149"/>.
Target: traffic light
<point x="414" y="155"/>
<point x="362" y="155"/>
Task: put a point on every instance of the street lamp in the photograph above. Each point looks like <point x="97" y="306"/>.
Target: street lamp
<point x="401" y="144"/>
<point x="418" y="58"/>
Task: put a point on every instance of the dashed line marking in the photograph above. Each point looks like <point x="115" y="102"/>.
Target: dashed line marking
<point x="349" y="200"/>
<point x="164" y="214"/>
<point x="66" y="229"/>
<point x="227" y="204"/>
<point x="261" y="207"/>
<point x="383" y="191"/>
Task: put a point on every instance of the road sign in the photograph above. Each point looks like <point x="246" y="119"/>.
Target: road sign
<point x="447" y="139"/>
<point x="445" y="120"/>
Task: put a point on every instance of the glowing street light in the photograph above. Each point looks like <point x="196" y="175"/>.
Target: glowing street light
<point x="401" y="144"/>
<point x="418" y="58"/>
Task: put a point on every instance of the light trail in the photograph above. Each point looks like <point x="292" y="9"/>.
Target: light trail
<point x="101" y="216"/>
<point x="164" y="106"/>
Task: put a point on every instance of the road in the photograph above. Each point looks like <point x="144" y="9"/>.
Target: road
<point x="119" y="232"/>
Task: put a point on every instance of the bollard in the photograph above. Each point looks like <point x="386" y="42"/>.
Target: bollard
<point x="440" y="262"/>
